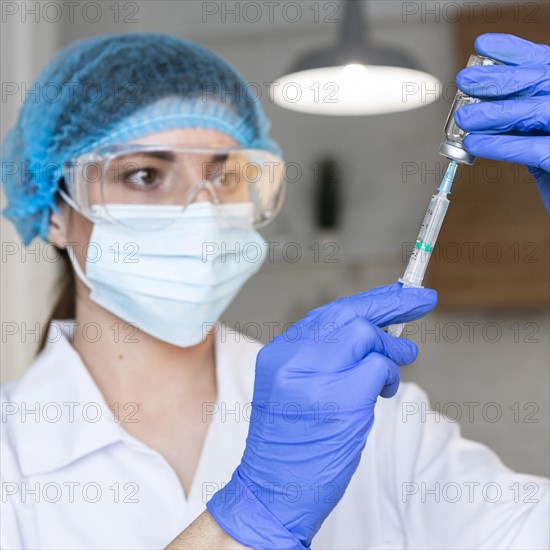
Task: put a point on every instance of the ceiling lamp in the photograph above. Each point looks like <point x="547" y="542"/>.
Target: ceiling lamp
<point x="355" y="77"/>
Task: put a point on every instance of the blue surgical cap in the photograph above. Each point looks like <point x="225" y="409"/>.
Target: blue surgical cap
<point x="113" y="89"/>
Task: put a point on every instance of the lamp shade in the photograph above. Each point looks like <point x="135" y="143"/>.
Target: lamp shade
<point x="355" y="78"/>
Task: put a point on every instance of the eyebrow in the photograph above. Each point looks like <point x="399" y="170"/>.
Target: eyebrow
<point x="170" y="157"/>
<point x="162" y="155"/>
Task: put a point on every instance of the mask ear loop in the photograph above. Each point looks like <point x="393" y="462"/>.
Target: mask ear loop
<point x="70" y="249"/>
<point x="78" y="270"/>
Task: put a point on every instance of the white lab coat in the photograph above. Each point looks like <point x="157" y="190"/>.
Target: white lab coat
<point x="72" y="476"/>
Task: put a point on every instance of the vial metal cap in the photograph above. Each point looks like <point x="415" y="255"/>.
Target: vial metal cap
<point x="454" y="151"/>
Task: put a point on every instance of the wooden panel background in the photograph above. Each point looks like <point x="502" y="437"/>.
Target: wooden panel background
<point x="493" y="247"/>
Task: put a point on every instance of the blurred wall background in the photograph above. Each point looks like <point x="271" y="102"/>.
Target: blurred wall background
<point x="488" y="369"/>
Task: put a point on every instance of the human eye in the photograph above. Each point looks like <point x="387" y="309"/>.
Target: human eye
<point x="144" y="177"/>
<point x="222" y="175"/>
<point x="142" y="172"/>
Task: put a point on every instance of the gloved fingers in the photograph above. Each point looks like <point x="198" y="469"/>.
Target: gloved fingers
<point x="390" y="389"/>
<point x="411" y="304"/>
<point x="361" y="338"/>
<point x="381" y="306"/>
<point x="512" y="50"/>
<point x="528" y="150"/>
<point x="371" y="293"/>
<point x="499" y="81"/>
<point x="510" y="115"/>
<point x="381" y="374"/>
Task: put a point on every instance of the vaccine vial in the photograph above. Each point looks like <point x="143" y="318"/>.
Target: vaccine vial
<point x="453" y="147"/>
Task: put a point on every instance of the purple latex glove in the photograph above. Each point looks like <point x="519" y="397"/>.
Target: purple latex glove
<point x="514" y="124"/>
<point x="313" y="408"/>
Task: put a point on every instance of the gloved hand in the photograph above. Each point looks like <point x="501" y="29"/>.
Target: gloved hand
<point x="313" y="407"/>
<point x="515" y="124"/>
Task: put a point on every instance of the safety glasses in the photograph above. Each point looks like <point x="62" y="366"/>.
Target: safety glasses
<point x="157" y="175"/>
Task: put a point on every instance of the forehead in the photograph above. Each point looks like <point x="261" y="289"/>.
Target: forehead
<point x="189" y="137"/>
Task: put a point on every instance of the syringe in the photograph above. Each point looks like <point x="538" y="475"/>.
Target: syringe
<point x="427" y="236"/>
<point x="453" y="149"/>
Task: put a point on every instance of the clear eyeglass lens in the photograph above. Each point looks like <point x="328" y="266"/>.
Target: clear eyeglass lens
<point x="176" y="177"/>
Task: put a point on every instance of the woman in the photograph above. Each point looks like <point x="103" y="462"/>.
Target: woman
<point x="152" y="187"/>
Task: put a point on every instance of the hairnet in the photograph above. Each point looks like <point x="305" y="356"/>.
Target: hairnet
<point x="112" y="89"/>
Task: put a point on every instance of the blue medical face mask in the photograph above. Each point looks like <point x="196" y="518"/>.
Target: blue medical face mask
<point x="175" y="282"/>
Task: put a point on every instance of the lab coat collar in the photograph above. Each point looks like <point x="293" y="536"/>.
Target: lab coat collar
<point x="62" y="415"/>
<point x="58" y="382"/>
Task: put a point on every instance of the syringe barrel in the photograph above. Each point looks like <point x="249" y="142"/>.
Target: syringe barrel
<point x="453" y="147"/>
<point x="425" y="242"/>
